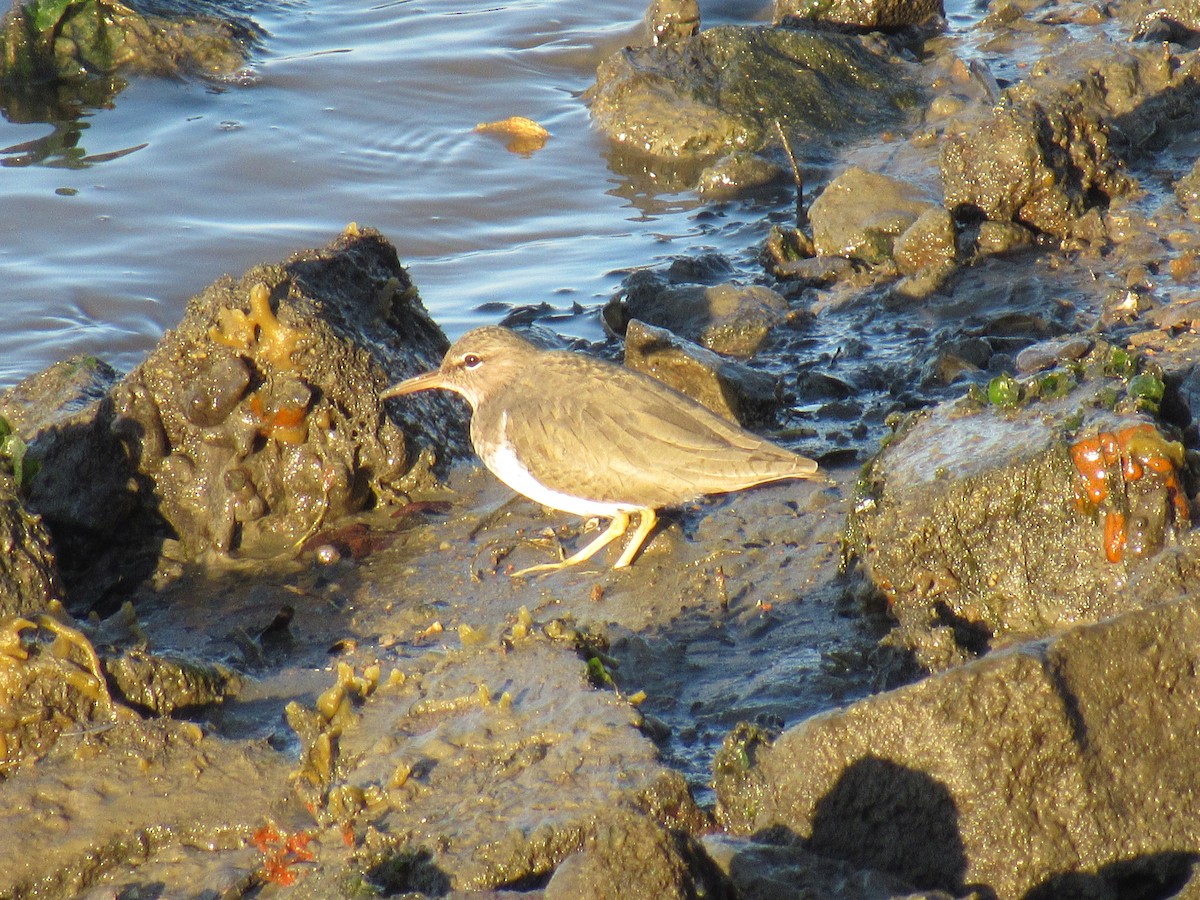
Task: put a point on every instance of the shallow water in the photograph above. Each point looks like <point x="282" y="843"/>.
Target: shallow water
<point x="352" y="111"/>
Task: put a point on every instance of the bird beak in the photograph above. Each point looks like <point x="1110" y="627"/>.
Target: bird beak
<point x="425" y="382"/>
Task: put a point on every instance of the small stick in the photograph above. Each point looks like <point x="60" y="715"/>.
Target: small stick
<point x="797" y="178"/>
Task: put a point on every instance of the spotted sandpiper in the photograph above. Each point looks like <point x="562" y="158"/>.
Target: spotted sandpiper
<point x="593" y="438"/>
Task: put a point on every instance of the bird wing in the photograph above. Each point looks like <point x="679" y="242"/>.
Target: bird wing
<point x="620" y="436"/>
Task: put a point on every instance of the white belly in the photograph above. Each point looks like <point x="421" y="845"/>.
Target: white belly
<point x="504" y="465"/>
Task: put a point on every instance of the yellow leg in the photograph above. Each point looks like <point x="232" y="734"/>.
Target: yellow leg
<point x="615" y="529"/>
<point x="646" y="520"/>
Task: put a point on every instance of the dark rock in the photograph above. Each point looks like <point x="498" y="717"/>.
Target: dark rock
<point x="1043" y="158"/>
<point x="28" y="572"/>
<point x="241" y="430"/>
<point x="258" y="419"/>
<point x="1045" y="768"/>
<point x="725" y="318"/>
<point x="631" y="855"/>
<point x="728" y="388"/>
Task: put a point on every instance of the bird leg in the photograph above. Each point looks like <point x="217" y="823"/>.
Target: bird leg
<point x="615" y="529"/>
<point x="646" y="520"/>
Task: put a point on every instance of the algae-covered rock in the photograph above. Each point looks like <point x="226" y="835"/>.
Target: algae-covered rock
<point x="494" y="764"/>
<point x="28" y="573"/>
<point x="50" y="680"/>
<point x="1024" y="510"/>
<point x="1064" y="768"/>
<point x="57" y="40"/>
<point x="258" y="420"/>
<point x="725" y="88"/>
<point x="883" y="14"/>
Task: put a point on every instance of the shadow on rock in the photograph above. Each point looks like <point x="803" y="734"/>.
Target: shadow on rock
<point x="1149" y="877"/>
<point x="887" y="816"/>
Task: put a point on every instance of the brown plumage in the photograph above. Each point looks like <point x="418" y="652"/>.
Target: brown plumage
<point x="589" y="437"/>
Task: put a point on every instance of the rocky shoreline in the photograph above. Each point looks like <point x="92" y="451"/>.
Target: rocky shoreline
<point x="258" y="633"/>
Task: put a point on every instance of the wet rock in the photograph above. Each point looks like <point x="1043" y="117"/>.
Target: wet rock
<point x="631" y="855"/>
<point x="1047" y="354"/>
<point x="997" y="238"/>
<point x="671" y="21"/>
<point x="28" y="573"/>
<point x="1049" y="770"/>
<point x="733" y="175"/>
<point x="464" y="758"/>
<point x="725" y="318"/>
<point x="163" y="684"/>
<point x="860" y="215"/>
<point x="257" y="420"/>
<point x="929" y="243"/>
<point x="50" y="681"/>
<point x="784" y="869"/>
<point x="1187" y="191"/>
<point x="872" y="14"/>
<point x="728" y="388"/>
<point x="1043" y="158"/>
<point x="723" y="90"/>
<point x="984" y="524"/>
<point x="52" y="40"/>
<point x="126" y="794"/>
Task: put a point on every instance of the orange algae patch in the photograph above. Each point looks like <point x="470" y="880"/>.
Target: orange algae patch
<point x="281" y="853"/>
<point x="285" y="423"/>
<point x="259" y="330"/>
<point x="1127" y="455"/>
<point x="1114" y="536"/>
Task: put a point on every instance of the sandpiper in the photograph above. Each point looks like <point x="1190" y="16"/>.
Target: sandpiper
<point x="593" y="438"/>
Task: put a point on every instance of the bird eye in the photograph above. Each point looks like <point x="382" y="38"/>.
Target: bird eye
<point x="471" y="360"/>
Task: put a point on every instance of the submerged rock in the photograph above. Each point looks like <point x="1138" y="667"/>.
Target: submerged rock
<point x="1049" y="770"/>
